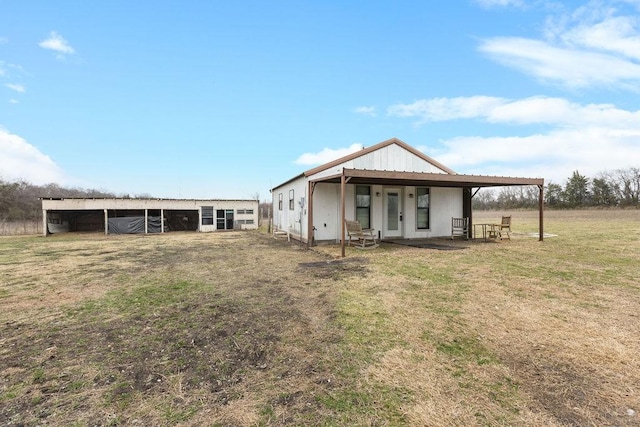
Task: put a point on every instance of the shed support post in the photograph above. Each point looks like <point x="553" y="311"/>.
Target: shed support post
<point x="106" y="221"/>
<point x="161" y="221"/>
<point x="44" y="222"/>
<point x="541" y="209"/>
<point x="146" y="221"/>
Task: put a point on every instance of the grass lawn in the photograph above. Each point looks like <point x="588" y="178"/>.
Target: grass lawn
<point x="240" y="329"/>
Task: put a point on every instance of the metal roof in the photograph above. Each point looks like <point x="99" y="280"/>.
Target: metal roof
<point x="360" y="176"/>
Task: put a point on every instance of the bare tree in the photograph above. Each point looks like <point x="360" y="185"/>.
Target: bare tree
<point x="627" y="185"/>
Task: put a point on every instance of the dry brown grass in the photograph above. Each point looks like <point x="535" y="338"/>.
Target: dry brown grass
<point x="241" y="329"/>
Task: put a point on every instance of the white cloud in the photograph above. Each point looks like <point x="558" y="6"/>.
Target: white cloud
<point x="327" y="155"/>
<point x="552" y="156"/>
<point x="568" y="67"/>
<point x="369" y="111"/>
<point x="58" y="44"/>
<point x="617" y="35"/>
<point x="21" y="160"/>
<point x="7" y="68"/>
<point x="590" y="138"/>
<point x="16" y="87"/>
<point x="499" y="3"/>
<point x="534" y="110"/>
<point x="595" y="45"/>
<point x="439" y="109"/>
<point x="13" y="101"/>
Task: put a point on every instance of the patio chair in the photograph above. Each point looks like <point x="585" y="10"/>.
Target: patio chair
<point x="459" y="227"/>
<point x="505" y="227"/>
<point x="360" y="238"/>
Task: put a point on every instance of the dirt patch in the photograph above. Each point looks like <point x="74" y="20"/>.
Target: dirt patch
<point x="336" y="269"/>
<point x="172" y="344"/>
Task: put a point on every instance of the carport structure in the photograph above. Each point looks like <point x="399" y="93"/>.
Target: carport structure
<point x="124" y="215"/>
<point x="470" y="185"/>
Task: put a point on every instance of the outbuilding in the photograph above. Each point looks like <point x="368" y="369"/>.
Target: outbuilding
<point x="133" y="216"/>
<point x="391" y="187"/>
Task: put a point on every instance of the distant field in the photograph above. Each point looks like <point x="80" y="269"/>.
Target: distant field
<point x="237" y="329"/>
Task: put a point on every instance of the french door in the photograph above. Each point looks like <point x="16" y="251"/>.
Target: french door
<point x="392" y="218"/>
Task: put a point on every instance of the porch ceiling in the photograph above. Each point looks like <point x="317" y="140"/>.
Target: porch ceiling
<point x="359" y="176"/>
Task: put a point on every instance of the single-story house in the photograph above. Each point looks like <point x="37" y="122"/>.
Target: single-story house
<point x="124" y="215"/>
<point x="391" y="187"/>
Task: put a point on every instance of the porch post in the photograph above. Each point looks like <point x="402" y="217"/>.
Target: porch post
<point x="343" y="183"/>
<point x="541" y="209"/>
<point x="106" y="221"/>
<point x="467" y="209"/>
<point x="310" y="231"/>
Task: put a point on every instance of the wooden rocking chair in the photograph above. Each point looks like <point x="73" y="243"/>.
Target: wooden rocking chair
<point x="459" y="227"/>
<point x="505" y="227"/>
<point x="360" y="238"/>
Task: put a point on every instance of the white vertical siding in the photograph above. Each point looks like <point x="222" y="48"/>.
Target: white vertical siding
<point x="326" y="211"/>
<point x="327" y="214"/>
<point x="389" y="158"/>
<point x="291" y="220"/>
<point x="444" y="203"/>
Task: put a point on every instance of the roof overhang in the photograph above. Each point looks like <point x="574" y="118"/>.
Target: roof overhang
<point x="360" y="176"/>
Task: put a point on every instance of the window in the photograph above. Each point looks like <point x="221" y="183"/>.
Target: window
<point x="248" y="211"/>
<point x="220" y="219"/>
<point x="280" y="201"/>
<point x="207" y="215"/>
<point x="290" y="200"/>
<point x="224" y="219"/>
<point x="240" y="211"/>
<point x="422" y="207"/>
<point x="363" y="205"/>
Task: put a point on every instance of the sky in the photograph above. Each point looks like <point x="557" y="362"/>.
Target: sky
<point x="212" y="99"/>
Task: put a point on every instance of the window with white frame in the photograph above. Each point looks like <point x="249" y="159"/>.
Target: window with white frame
<point x="291" y="204"/>
<point x="363" y="205"/>
<point x="207" y="215"/>
<point x="279" y="201"/>
<point x="422" y="208"/>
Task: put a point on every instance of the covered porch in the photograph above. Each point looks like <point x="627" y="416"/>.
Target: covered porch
<point x="469" y="184"/>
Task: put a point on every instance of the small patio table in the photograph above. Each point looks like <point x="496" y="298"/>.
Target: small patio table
<point x="489" y="231"/>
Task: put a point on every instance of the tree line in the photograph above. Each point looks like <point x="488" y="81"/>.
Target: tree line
<point x="618" y="188"/>
<point x="20" y="200"/>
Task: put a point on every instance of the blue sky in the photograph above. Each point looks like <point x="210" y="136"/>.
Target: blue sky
<point x="211" y="99"/>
